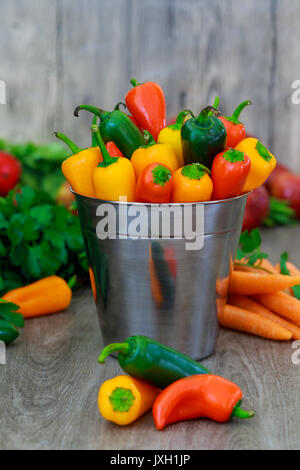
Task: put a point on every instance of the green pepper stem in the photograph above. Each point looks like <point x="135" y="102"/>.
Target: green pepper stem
<point x="149" y="138"/>
<point x="242" y="414"/>
<point x="216" y="102"/>
<point x="92" y="109"/>
<point x="236" y="114"/>
<point x="107" y="159"/>
<point x="117" y="107"/>
<point x="180" y="119"/>
<point x="134" y="82"/>
<point x="94" y="123"/>
<point x="205" y="114"/>
<point x="123" y="348"/>
<point x="72" y="146"/>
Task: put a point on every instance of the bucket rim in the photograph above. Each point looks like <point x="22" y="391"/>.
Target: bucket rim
<point x="168" y="204"/>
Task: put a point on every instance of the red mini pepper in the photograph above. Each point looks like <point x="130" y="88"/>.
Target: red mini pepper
<point x="229" y="173"/>
<point x="198" y="396"/>
<point x="234" y="128"/>
<point x="146" y="102"/>
<point x="113" y="150"/>
<point x="154" y="184"/>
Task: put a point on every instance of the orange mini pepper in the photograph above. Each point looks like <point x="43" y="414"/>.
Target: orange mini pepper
<point x="124" y="399"/>
<point x="154" y="153"/>
<point x="48" y="295"/>
<point x="114" y="177"/>
<point x="78" y="169"/>
<point x="192" y="183"/>
<point x="198" y="396"/>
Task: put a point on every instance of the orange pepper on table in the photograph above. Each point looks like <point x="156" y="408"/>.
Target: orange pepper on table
<point x="48" y="295"/>
<point x="192" y="183"/>
<point x="153" y="153"/>
<point x="198" y="396"/>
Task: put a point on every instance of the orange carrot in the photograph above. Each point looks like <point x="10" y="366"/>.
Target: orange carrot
<point x="285" y="305"/>
<point x="247" y="303"/>
<point x="252" y="283"/>
<point x="252" y="323"/>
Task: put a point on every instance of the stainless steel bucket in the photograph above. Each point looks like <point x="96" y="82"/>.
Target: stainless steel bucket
<point x="155" y="286"/>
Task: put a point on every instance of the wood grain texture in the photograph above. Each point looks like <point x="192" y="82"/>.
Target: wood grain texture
<point x="49" y="386"/>
<point x="58" y="54"/>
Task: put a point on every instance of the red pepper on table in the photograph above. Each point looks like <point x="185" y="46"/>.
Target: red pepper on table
<point x="146" y="102"/>
<point x="234" y="128"/>
<point x="229" y="173"/>
<point x="154" y="184"/>
<point x="198" y="396"/>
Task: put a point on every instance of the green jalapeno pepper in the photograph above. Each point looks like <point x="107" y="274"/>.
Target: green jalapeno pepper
<point x="146" y="359"/>
<point x="116" y="126"/>
<point x="203" y="137"/>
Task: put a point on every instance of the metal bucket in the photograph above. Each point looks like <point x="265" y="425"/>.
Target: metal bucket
<point x="152" y="285"/>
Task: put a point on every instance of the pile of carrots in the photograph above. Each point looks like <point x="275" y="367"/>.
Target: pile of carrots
<point x="261" y="302"/>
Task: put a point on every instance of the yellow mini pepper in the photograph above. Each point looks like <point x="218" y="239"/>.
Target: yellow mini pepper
<point x="153" y="153"/>
<point x="192" y="183"/>
<point x="78" y="169"/>
<point x="124" y="399"/>
<point x="262" y="162"/>
<point x="172" y="135"/>
<point x="114" y="177"/>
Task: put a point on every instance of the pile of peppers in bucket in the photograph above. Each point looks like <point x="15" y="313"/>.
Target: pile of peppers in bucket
<point x="174" y="386"/>
<point x="136" y="156"/>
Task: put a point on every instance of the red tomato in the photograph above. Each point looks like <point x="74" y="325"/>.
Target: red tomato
<point x="10" y="172"/>
<point x="229" y="172"/>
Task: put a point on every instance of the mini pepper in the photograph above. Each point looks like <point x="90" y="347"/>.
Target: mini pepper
<point x="146" y="359"/>
<point x="124" y="399"/>
<point x="153" y="153"/>
<point x="172" y="135"/>
<point x="203" y="137"/>
<point x="192" y="183"/>
<point x="208" y="396"/>
<point x="229" y="173"/>
<point x="147" y="104"/>
<point x="154" y="184"/>
<point x="114" y="177"/>
<point x="262" y="162"/>
<point x="234" y="128"/>
<point x="78" y="168"/>
<point x="116" y="126"/>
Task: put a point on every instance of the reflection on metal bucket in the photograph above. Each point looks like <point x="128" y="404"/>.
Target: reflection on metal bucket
<point x="158" y="288"/>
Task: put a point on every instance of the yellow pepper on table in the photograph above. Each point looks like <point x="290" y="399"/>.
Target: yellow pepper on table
<point x="172" y="135"/>
<point x="114" y="177"/>
<point x="154" y="153"/>
<point x="262" y="162"/>
<point x="78" y="168"/>
<point x="124" y="399"/>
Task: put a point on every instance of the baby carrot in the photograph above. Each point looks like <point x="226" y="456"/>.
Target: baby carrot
<point x="247" y="303"/>
<point x="249" y="322"/>
<point x="285" y="305"/>
<point x="252" y="283"/>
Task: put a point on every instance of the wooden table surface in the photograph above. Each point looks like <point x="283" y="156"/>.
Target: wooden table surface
<point x="48" y="388"/>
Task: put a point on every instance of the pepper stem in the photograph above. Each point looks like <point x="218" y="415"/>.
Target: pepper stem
<point x="216" y="102"/>
<point x="117" y="107"/>
<point x="123" y="348"/>
<point x="236" y="114"/>
<point x="72" y="146"/>
<point x="134" y="82"/>
<point x="94" y="123"/>
<point x="205" y="114"/>
<point x="242" y="414"/>
<point x="149" y="138"/>
<point x="107" y="159"/>
<point x="92" y="109"/>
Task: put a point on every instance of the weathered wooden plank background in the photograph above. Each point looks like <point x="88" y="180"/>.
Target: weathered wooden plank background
<point x="56" y="54"/>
